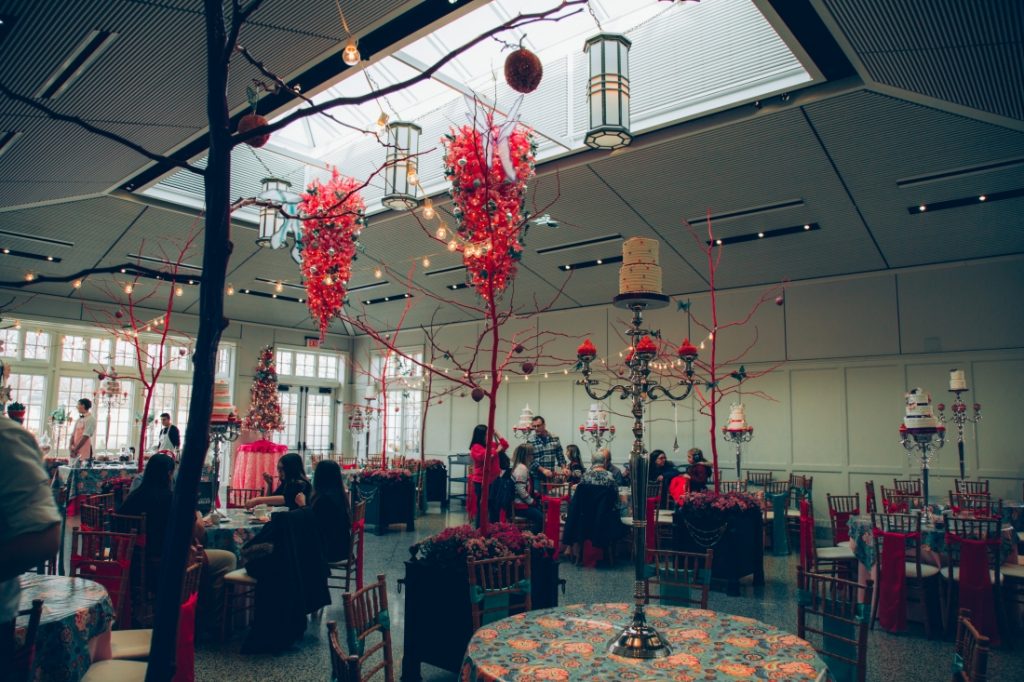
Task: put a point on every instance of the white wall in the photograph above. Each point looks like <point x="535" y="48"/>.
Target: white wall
<point x="850" y="347"/>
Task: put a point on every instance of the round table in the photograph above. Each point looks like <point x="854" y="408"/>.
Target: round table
<point x="569" y="642"/>
<point x="933" y="542"/>
<point x="252" y="460"/>
<point x="90" y="480"/>
<point x="232" y="534"/>
<point x="74" y="629"/>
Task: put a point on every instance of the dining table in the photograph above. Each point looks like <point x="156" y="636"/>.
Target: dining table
<point x="240" y="526"/>
<point x="83" y="481"/>
<point x="570" y="643"/>
<point x="252" y="460"/>
<point x="74" y="630"/>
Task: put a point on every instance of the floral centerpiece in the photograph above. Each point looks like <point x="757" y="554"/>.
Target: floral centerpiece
<point x="16" y="411"/>
<point x="390" y="497"/>
<point x="452" y="546"/>
<point x="731" y="525"/>
<point x="707" y="506"/>
<point x="433" y="464"/>
<point x="384" y="476"/>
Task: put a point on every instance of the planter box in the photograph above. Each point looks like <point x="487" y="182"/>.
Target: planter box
<point x="738" y="547"/>
<point x="387" y="504"/>
<point x="437" y="486"/>
<point x="438" y="620"/>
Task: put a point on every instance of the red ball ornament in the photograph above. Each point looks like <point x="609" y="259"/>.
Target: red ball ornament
<point x="102" y="376"/>
<point x="477" y="394"/>
<point x="523" y="71"/>
<point x="528" y="368"/>
<point x="780" y="299"/>
<point x="119" y="314"/>
<point x="519" y="348"/>
<point x="250" y="121"/>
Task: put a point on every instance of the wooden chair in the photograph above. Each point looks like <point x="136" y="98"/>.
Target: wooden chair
<point x="237" y="497"/>
<point x="920" y="577"/>
<point x="92" y="517"/>
<point x="239" y="599"/>
<point x="502" y="578"/>
<point x="800" y="486"/>
<point x="836" y="560"/>
<point x="975" y="505"/>
<point x="972" y="529"/>
<point x="761" y="478"/>
<point x="840" y="509"/>
<point x="374" y="461"/>
<point x="105" y="558"/>
<point x="144" y="560"/>
<point x="768" y="514"/>
<point x="979" y="487"/>
<point x="104" y="500"/>
<point x="869" y="497"/>
<point x="19" y="657"/>
<point x="896" y="502"/>
<point x="970" y="661"/>
<point x="677" y="575"/>
<point x="558" y="489"/>
<point x="909" y="486"/>
<point x="344" y="668"/>
<point x="831" y="609"/>
<point x="351" y="567"/>
<point x="366" y="615"/>
<point x="732" y="486"/>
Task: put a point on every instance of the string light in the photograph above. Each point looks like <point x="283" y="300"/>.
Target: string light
<point x="378" y="273"/>
<point x="328" y="281"/>
<point x="442" y="232"/>
<point x="382" y="122"/>
<point x="278" y="286"/>
<point x="77" y="284"/>
<point x="128" y="288"/>
<point x="453" y="246"/>
<point x="17" y="324"/>
<point x="414" y="178"/>
<point x="428" y="209"/>
<point x="178" y="291"/>
<point x="30" y="276"/>
<point x="231" y="289"/>
<point x="426" y="262"/>
<point x="350" y="55"/>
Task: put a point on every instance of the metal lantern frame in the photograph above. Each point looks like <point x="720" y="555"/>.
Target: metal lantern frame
<point x="608" y="91"/>
<point x="403" y="148"/>
<point x="271" y="219"/>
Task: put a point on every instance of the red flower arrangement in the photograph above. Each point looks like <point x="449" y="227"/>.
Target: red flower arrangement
<point x="646" y="346"/>
<point x="709" y="506"/>
<point x="488" y="166"/>
<point x="587" y="350"/>
<point x="452" y="546"/>
<point x="333" y="220"/>
<point x="384" y="476"/>
<point x="687" y="349"/>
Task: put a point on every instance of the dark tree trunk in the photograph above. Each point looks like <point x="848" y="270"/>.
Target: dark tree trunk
<point x="216" y="252"/>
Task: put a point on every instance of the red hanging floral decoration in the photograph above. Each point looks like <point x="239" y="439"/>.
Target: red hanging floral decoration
<point x="488" y="165"/>
<point x="333" y="218"/>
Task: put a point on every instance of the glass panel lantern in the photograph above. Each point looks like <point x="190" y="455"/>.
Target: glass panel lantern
<point x="277" y="191"/>
<point x="608" y="91"/>
<point x="403" y="146"/>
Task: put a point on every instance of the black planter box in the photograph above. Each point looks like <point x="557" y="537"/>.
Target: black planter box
<point x="739" y="550"/>
<point x="388" y="504"/>
<point x="437" y="486"/>
<point x="438" y="620"/>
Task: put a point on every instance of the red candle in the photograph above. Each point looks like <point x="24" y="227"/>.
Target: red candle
<point x="687" y="350"/>
<point x="587" y="349"/>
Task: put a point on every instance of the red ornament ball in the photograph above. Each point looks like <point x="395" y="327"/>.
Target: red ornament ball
<point x="519" y="348"/>
<point x="119" y="314"/>
<point x="477" y="394"/>
<point x="523" y="71"/>
<point x="780" y="299"/>
<point x="250" y="121"/>
<point x="528" y="368"/>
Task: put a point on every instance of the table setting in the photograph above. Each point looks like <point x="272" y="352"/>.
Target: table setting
<point x="238" y="527"/>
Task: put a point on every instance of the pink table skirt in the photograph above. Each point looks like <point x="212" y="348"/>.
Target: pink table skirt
<point x="253" y="460"/>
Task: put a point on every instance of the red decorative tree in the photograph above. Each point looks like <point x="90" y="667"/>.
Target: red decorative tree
<point x="264" y="409"/>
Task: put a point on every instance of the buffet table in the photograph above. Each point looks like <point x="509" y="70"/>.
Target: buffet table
<point x="568" y="643"/>
<point x="252" y="460"/>
<point x="74" y="629"/>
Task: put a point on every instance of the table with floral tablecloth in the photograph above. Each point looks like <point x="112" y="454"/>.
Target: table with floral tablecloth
<point x="74" y="629"/>
<point x="90" y="480"/>
<point x="252" y="460"/>
<point x="232" y="534"/>
<point x="933" y="542"/>
<point x="569" y="642"/>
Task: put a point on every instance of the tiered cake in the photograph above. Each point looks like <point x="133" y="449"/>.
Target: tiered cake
<point x="223" y="410"/>
<point x="957" y="380"/>
<point x="738" y="419"/>
<point x="919" y="415"/>
<point x="525" y="418"/>
<point x="640" y="272"/>
<point x="597" y="418"/>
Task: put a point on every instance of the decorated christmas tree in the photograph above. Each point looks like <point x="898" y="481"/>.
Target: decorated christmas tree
<point x="264" y="409"/>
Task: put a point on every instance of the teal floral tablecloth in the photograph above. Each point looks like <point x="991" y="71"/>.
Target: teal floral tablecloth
<point x="75" y="626"/>
<point x="232" y="534"/>
<point x="568" y="643"/>
<point x="89" y="481"/>
<point x="932" y="538"/>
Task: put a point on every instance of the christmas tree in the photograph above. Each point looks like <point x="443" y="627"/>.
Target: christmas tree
<point x="264" y="410"/>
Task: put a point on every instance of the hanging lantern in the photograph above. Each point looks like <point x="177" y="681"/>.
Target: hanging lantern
<point x="608" y="91"/>
<point x="275" y="225"/>
<point x="403" y="145"/>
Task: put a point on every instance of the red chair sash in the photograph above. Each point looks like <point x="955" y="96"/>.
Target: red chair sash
<point x="895" y="507"/>
<point x="553" y="519"/>
<point x="842" y="523"/>
<point x="186" y="654"/>
<point x="806" y="536"/>
<point x="677" y="487"/>
<point x="976" y="590"/>
<point x="109" y="574"/>
<point x="892" y="592"/>
<point x="349" y="466"/>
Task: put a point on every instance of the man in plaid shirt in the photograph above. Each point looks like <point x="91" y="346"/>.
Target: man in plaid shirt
<point x="548" y="460"/>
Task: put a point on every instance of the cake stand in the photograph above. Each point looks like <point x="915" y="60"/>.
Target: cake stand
<point x="959" y="410"/>
<point x="637" y="640"/>
<point x="221" y="432"/>
<point x="923" y="441"/>
<point x="739" y="437"/>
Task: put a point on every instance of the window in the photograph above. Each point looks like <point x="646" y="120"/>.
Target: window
<point x="328" y="367"/>
<point x="284" y="362"/>
<point x="289" y="417"/>
<point x="180" y="359"/>
<point x="404" y="399"/>
<point x="73" y="349"/>
<point x="30" y="390"/>
<point x="184" y="400"/>
<point x="305" y="364"/>
<point x="124" y="353"/>
<point x="154" y="356"/>
<point x="37" y="346"/>
<point x="224" y="364"/>
<point x="99" y="351"/>
<point x="72" y="389"/>
<point x="318" y="422"/>
<point x="114" y="424"/>
<point x="9" y="343"/>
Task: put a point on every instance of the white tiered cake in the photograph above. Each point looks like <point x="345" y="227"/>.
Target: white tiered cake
<point x="640" y="272"/>
<point x="738" y="419"/>
<point x="919" y="411"/>
<point x="957" y="380"/>
<point x="525" y="418"/>
<point x="222" y="407"/>
<point x="597" y="418"/>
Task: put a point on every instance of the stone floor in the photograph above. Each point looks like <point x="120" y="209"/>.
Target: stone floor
<point x="907" y="658"/>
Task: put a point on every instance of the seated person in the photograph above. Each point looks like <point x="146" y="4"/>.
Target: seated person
<point x="598" y="474"/>
<point x="525" y="504"/>
<point x="291" y="471"/>
<point x="698" y="470"/>
<point x="330" y="506"/>
<point x="575" y="463"/>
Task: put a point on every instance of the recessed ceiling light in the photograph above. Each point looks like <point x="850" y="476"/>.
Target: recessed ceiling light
<point x="718" y="241"/>
<point x="807" y="227"/>
<point x="598" y="261"/>
<point x="566" y="267"/>
<point x="7" y="250"/>
<point x="760" y="235"/>
<point x="922" y="208"/>
<point x="982" y="198"/>
<point x="49" y="258"/>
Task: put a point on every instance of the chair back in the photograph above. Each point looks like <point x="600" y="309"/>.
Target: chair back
<point x="801" y="481"/>
<point x="759" y="477"/>
<point x="896" y="502"/>
<point x="975" y="505"/>
<point x="358" y="530"/>
<point x="834" y="611"/>
<point x="92" y="517"/>
<point x="375" y="461"/>
<point x="654" y="490"/>
<point x="20" y="654"/>
<point x="979" y="487"/>
<point x="840" y="509"/>
<point x="909" y="486"/>
<point x="366" y="616"/>
<point x="869" y="497"/>
<point x="907" y="524"/>
<point x="237" y="497"/>
<point x="125" y="523"/>
<point x="680" y="578"/>
<point x="970" y="659"/>
<point x="732" y="486"/>
<point x="105" y="558"/>
<point x="499" y="587"/>
<point x="344" y="668"/>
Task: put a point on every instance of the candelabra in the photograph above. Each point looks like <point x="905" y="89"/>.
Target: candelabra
<point x="220" y="433"/>
<point x="112" y="396"/>
<point x="597" y="432"/>
<point x="638" y="639"/>
<point x="521" y="432"/>
<point x="959" y="417"/>
<point x="739" y="437"/>
<point x="924" y="441"/>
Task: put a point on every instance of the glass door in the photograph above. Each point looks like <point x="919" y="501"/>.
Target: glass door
<point x="308" y="414"/>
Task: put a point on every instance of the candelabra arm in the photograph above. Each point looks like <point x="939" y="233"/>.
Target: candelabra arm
<point x="654" y="390"/>
<point x="597" y="395"/>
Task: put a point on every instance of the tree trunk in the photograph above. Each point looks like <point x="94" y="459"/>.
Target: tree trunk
<point x="145" y="423"/>
<point x="216" y="252"/>
<point x="492" y="313"/>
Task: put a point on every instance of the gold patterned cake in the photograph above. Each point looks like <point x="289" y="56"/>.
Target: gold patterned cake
<point x="640" y="272"/>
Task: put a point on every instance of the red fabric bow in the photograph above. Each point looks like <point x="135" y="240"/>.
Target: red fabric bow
<point x="976" y="591"/>
<point x="186" y="656"/>
<point x="552" y="519"/>
<point x="806" y="536"/>
<point x="892" y="592"/>
<point x="842" y="523"/>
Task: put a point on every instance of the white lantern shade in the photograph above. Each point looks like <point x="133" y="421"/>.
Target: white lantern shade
<point x="608" y="91"/>
<point x="403" y="146"/>
<point x="271" y="220"/>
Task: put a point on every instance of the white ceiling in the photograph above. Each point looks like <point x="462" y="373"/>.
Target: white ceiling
<point x="845" y="153"/>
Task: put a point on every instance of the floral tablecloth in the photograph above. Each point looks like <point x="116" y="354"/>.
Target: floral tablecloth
<point x="252" y="460"/>
<point x="568" y="643"/>
<point x="75" y="627"/>
<point x="932" y="540"/>
<point x="89" y="481"/>
<point x="233" y="533"/>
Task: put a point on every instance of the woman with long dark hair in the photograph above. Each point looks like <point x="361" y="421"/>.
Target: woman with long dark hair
<point x="293" y="489"/>
<point x="574" y="463"/>
<point x="330" y="506"/>
<point x="525" y="504"/>
<point x="479" y="450"/>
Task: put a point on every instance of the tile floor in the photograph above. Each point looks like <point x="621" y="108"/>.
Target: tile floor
<point x="907" y="658"/>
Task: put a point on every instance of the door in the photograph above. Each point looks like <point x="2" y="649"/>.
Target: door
<point x="308" y="414"/>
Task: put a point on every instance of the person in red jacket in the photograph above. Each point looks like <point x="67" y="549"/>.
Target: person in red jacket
<point x="477" y="450"/>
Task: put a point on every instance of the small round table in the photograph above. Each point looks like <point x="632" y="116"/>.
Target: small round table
<point x="232" y="534"/>
<point x="569" y="642"/>
<point x="74" y="629"/>
<point x="252" y="460"/>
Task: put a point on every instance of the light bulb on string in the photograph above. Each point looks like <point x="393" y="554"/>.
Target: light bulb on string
<point x="350" y="55"/>
<point x="428" y="209"/>
<point x="378" y="273"/>
<point x="442" y="232"/>
<point x="231" y="289"/>
<point x="178" y="291"/>
<point x="77" y="284"/>
<point x="453" y="246"/>
<point x="30" y="276"/>
<point x="17" y="324"/>
<point x="382" y="122"/>
<point x="426" y="262"/>
<point x="128" y="288"/>
<point x="279" y="286"/>
<point x="413" y="176"/>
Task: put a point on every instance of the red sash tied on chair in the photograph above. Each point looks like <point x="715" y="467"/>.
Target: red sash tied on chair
<point x="895" y="507"/>
<point x="842" y="524"/>
<point x="186" y="655"/>
<point x="806" y="536"/>
<point x="892" y="589"/>
<point x="976" y="591"/>
<point x="677" y="487"/>
<point x="553" y="519"/>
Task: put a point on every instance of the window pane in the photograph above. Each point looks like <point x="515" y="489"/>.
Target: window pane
<point x="224" y="361"/>
<point x="99" y="352"/>
<point x="328" y="367"/>
<point x="71" y="389"/>
<point x="117" y="432"/>
<point x="73" y="349"/>
<point x="180" y="359"/>
<point x="284" y="362"/>
<point x="318" y="422"/>
<point x="30" y="390"/>
<point x="9" y="343"/>
<point x="184" y="400"/>
<point x="124" y="353"/>
<point x="154" y="356"/>
<point x="37" y="346"/>
<point x="305" y="364"/>
<point x="289" y="417"/>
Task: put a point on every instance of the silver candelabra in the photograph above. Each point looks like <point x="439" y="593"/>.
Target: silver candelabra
<point x="221" y="432"/>
<point x="924" y="442"/>
<point x="638" y="639"/>
<point x="960" y="418"/>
